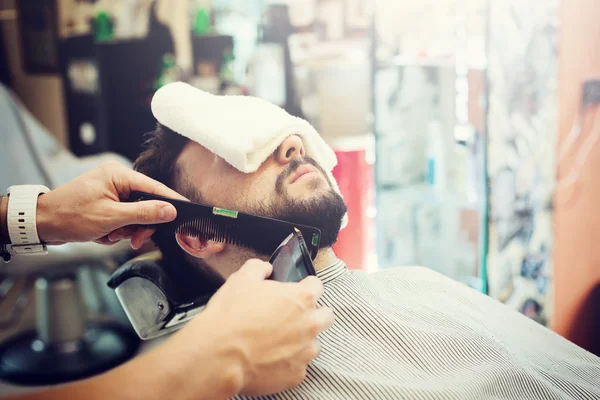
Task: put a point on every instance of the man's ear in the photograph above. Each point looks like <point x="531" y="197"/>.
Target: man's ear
<point x="199" y="247"/>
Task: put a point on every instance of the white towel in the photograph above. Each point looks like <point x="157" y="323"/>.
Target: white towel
<point x="242" y="130"/>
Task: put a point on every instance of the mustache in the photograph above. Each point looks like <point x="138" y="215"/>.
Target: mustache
<point x="292" y="167"/>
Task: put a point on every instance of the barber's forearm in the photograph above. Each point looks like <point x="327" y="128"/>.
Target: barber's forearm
<point x="177" y="370"/>
<point x="200" y="367"/>
<point x="173" y="370"/>
<point x="165" y="373"/>
<point x="184" y="367"/>
<point x="4" y="236"/>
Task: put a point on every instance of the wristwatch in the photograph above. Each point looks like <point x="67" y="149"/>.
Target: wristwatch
<point x="21" y="219"/>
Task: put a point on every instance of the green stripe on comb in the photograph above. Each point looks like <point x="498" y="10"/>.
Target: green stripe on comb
<point x="225" y="212"/>
<point x="315" y="239"/>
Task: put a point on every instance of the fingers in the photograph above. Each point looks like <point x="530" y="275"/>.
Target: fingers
<point x="138" y="235"/>
<point x="127" y="180"/>
<point x="323" y="318"/>
<point x="312" y="288"/>
<point x="255" y="270"/>
<point x="104" y="241"/>
<point x="311" y="351"/>
<point x="125" y="232"/>
<point x="143" y="213"/>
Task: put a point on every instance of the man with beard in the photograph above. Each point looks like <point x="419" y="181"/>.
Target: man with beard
<point x="399" y="333"/>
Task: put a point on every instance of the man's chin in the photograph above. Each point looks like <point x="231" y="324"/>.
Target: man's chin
<point x="310" y="198"/>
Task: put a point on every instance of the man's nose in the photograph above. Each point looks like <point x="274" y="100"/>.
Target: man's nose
<point x="289" y="149"/>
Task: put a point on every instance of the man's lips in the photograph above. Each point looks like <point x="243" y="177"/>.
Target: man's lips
<point x="301" y="171"/>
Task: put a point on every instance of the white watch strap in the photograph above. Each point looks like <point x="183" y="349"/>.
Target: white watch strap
<point x="26" y="249"/>
<point x="22" y="221"/>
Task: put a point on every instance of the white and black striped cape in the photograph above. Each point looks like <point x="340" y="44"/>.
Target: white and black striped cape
<point x="411" y="333"/>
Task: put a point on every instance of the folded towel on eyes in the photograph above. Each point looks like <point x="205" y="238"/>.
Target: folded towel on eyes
<point x="242" y="130"/>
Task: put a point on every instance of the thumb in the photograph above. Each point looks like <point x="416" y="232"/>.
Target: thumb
<point x="143" y="213"/>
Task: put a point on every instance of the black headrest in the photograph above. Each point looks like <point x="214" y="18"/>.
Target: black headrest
<point x="179" y="288"/>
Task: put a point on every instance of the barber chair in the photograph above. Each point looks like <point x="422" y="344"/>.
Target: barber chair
<point x="160" y="298"/>
<point x="80" y="329"/>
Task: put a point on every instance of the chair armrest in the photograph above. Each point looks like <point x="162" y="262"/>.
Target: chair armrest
<point x="65" y="258"/>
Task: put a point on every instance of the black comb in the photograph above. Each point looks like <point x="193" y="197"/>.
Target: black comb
<point x="231" y="227"/>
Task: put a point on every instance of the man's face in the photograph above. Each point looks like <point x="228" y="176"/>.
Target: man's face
<point x="287" y="186"/>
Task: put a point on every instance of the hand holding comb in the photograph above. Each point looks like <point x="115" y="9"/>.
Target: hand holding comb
<point x="232" y="227"/>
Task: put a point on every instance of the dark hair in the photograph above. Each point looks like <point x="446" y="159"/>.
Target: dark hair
<point x="158" y="160"/>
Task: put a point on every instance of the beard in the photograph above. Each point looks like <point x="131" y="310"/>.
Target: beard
<point x="324" y="211"/>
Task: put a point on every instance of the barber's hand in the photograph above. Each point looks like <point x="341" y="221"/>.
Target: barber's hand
<point x="268" y="330"/>
<point x="89" y="208"/>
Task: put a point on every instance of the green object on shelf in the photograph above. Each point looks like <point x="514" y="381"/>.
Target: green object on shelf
<point x="227" y="74"/>
<point x="168" y="71"/>
<point x="103" y="26"/>
<point x="201" y="22"/>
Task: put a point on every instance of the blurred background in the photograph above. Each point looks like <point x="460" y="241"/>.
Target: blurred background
<point x="466" y="130"/>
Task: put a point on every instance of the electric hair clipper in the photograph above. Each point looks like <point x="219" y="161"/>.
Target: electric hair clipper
<point x="154" y="305"/>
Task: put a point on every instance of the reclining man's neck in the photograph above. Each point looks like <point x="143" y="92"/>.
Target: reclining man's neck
<point x="325" y="258"/>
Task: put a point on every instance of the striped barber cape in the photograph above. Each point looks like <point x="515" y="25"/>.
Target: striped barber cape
<point x="411" y="333"/>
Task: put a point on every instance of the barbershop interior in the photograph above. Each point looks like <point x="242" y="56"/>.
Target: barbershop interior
<point x="465" y="131"/>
